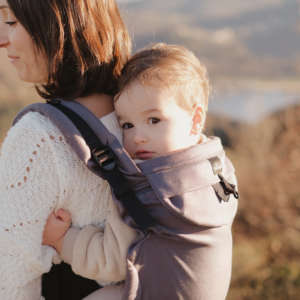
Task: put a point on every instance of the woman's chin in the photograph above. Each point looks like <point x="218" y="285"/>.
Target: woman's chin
<point x="31" y="78"/>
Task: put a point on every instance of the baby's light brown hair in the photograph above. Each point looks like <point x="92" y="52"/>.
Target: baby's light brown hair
<point x="173" y="67"/>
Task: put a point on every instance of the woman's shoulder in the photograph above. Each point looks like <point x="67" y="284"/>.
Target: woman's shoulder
<point x="34" y="121"/>
<point x="33" y="129"/>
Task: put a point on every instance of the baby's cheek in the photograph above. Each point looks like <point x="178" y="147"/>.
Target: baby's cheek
<point x="127" y="143"/>
<point x="170" y="144"/>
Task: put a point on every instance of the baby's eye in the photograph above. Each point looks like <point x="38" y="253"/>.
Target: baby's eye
<point x="127" y="126"/>
<point x="154" y="120"/>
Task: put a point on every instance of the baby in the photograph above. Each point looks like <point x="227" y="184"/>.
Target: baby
<point x="161" y="107"/>
<point x="160" y="111"/>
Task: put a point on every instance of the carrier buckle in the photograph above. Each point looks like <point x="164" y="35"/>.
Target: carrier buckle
<point x="104" y="157"/>
<point x="223" y="188"/>
<point x="228" y="187"/>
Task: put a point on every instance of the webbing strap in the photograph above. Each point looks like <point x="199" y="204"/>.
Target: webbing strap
<point x="106" y="160"/>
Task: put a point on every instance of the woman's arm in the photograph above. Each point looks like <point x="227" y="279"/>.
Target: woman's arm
<point x="29" y="191"/>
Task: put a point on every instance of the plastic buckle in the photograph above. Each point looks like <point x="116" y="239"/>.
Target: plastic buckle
<point x="228" y="187"/>
<point x="104" y="158"/>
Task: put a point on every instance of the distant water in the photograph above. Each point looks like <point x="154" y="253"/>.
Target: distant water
<point x="251" y="106"/>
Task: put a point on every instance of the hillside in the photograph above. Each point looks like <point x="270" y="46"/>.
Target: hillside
<point x="240" y="39"/>
<point x="246" y="45"/>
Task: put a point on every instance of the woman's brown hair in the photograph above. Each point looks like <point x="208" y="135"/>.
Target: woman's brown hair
<point x="85" y="42"/>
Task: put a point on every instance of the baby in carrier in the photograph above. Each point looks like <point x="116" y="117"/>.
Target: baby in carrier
<point x="188" y="186"/>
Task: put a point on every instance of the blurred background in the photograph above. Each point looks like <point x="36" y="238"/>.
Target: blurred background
<point x="252" y="52"/>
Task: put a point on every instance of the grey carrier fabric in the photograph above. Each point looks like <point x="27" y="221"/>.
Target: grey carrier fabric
<point x="188" y="200"/>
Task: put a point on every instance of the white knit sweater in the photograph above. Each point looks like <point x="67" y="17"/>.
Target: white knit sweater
<point x="39" y="172"/>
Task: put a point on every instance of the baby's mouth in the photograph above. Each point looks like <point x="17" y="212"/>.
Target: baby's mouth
<point x="143" y="154"/>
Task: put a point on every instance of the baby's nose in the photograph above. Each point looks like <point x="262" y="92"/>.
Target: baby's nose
<point x="140" y="138"/>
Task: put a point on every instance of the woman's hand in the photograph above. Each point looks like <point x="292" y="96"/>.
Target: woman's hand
<point x="56" y="227"/>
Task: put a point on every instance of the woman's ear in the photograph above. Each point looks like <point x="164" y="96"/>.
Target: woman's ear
<point x="198" y="120"/>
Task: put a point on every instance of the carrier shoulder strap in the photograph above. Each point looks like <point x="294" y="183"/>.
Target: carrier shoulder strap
<point x="105" y="160"/>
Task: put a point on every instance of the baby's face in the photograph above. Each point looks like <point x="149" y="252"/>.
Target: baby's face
<point x="152" y="122"/>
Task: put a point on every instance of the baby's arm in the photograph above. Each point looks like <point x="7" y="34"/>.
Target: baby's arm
<point x="95" y="253"/>
<point x="111" y="292"/>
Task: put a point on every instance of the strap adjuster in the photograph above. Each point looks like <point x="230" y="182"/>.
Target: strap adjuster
<point x="228" y="187"/>
<point x="105" y="158"/>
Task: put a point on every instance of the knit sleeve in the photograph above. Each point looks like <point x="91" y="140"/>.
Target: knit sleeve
<point x="29" y="190"/>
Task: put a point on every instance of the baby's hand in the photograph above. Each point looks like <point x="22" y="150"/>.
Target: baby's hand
<point x="56" y="227"/>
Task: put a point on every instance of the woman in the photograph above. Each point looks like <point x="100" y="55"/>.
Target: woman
<point x="71" y="50"/>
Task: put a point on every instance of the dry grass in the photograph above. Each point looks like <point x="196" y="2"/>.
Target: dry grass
<point x="266" y="230"/>
<point x="267" y="157"/>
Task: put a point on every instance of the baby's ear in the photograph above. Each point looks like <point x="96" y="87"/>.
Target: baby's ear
<point x="198" y="120"/>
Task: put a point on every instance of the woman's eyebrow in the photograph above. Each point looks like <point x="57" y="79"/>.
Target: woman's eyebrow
<point x="4" y="9"/>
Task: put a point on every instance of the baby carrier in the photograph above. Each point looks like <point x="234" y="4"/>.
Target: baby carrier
<point x="183" y="204"/>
